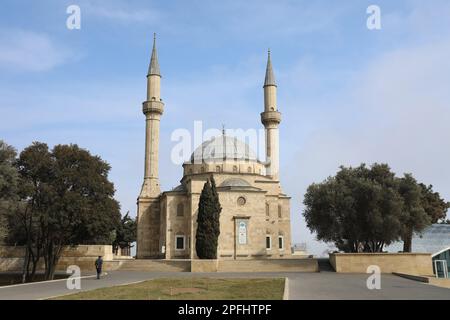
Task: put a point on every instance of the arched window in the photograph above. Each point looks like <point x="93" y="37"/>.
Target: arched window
<point x="249" y="169"/>
<point x="202" y="170"/>
<point x="267" y="210"/>
<point x="235" y="169"/>
<point x="280" y="212"/>
<point x="217" y="168"/>
<point x="180" y="210"/>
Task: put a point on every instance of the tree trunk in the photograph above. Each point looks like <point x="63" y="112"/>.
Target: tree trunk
<point x="52" y="255"/>
<point x="407" y="241"/>
<point x="25" y="265"/>
<point x="35" y="262"/>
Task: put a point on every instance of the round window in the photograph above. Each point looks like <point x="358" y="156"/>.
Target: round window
<point x="241" y="201"/>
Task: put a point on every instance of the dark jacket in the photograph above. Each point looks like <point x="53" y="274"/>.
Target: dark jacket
<point x="99" y="263"/>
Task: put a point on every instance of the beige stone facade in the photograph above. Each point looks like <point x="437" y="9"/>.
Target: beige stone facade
<point x="255" y="217"/>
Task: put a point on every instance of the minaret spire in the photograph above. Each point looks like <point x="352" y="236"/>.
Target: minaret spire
<point x="270" y="77"/>
<point x="153" y="68"/>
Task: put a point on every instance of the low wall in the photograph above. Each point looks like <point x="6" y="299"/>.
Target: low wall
<point x="199" y="265"/>
<point x="149" y="265"/>
<point x="11" y="258"/>
<point x="84" y="256"/>
<point x="411" y="263"/>
<point x="269" y="265"/>
<point x="439" y="282"/>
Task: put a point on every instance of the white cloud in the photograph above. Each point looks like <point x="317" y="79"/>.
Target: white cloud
<point x="397" y="111"/>
<point x="22" y="50"/>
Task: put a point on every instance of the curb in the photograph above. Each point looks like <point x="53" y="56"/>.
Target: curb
<point x="412" y="277"/>
<point x="286" y="289"/>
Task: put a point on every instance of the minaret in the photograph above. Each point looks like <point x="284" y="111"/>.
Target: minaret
<point x="148" y="222"/>
<point x="152" y="108"/>
<point x="271" y="118"/>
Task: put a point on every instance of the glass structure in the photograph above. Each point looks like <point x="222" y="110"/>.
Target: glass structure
<point x="435" y="240"/>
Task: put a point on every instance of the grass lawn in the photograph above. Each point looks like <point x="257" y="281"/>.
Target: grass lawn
<point x="191" y="289"/>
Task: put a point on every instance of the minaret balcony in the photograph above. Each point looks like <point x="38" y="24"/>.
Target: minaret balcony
<point x="270" y="117"/>
<point x="153" y="106"/>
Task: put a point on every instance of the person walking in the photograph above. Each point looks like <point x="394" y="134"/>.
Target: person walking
<point x="98" y="266"/>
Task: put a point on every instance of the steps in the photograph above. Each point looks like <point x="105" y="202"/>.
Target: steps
<point x="269" y="265"/>
<point x="263" y="265"/>
<point x="325" y="265"/>
<point x="155" y="265"/>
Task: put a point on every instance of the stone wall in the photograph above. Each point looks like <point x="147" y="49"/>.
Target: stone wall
<point x="84" y="256"/>
<point x="410" y="263"/>
<point x="206" y="265"/>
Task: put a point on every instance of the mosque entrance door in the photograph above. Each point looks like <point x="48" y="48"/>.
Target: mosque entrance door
<point x="241" y="225"/>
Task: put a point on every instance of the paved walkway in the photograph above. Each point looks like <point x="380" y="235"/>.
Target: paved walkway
<point x="323" y="285"/>
<point x="331" y="285"/>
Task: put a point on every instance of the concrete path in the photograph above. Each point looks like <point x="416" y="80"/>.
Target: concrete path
<point x="323" y="285"/>
<point x="331" y="285"/>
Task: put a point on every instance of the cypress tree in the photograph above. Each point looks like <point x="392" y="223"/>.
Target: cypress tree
<point x="208" y="227"/>
<point x="216" y="209"/>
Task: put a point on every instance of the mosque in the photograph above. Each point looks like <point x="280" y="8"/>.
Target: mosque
<point x="255" y="217"/>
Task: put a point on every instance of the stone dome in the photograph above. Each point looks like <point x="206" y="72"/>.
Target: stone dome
<point x="222" y="148"/>
<point x="235" y="182"/>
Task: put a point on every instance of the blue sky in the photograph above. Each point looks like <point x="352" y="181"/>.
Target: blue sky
<point x="347" y="94"/>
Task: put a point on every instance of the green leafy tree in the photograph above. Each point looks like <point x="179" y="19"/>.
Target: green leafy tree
<point x="9" y="180"/>
<point x="422" y="207"/>
<point x="35" y="169"/>
<point x="84" y="208"/>
<point x="358" y="209"/>
<point x="364" y="209"/>
<point x="208" y="221"/>
<point x="125" y="233"/>
<point x="433" y="204"/>
<point x="415" y="218"/>
<point x="69" y="201"/>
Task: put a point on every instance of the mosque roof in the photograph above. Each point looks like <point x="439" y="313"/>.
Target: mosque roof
<point x="222" y="148"/>
<point x="235" y="182"/>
